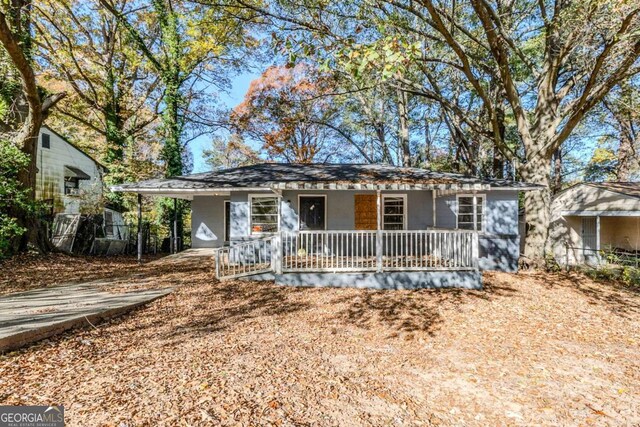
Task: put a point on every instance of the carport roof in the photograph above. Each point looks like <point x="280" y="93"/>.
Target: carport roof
<point x="291" y="176"/>
<point x="627" y="188"/>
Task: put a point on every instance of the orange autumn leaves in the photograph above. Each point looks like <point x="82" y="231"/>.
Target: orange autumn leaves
<point x="284" y="109"/>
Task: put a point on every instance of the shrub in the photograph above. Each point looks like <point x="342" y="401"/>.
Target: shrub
<point x="12" y="196"/>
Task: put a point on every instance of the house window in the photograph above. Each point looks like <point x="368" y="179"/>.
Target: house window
<point x="264" y="214"/>
<point x="46" y="140"/>
<point x="71" y="186"/>
<point x="465" y="212"/>
<point x="394" y="212"/>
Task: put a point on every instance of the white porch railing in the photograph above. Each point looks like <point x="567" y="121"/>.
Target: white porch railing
<point x="327" y="251"/>
<point x="245" y="258"/>
<point x="342" y="251"/>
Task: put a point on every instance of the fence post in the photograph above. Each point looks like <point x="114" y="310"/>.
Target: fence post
<point x="379" y="243"/>
<point x="475" y="249"/>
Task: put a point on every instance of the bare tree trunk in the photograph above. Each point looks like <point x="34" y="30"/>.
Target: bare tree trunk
<point x="537" y="207"/>
<point x="557" y="172"/>
<point x="403" y="128"/>
<point x="380" y="134"/>
<point x="627" y="156"/>
<point x="427" y="144"/>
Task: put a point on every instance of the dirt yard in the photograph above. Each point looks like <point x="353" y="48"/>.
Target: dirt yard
<point x="532" y="348"/>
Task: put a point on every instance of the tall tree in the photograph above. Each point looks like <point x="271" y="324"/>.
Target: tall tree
<point x="623" y="106"/>
<point x="550" y="63"/>
<point x="190" y="47"/>
<point x="114" y="94"/>
<point x="287" y="109"/>
<point x="16" y="39"/>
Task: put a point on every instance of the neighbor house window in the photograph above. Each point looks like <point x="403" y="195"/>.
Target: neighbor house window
<point x="264" y="214"/>
<point x="394" y="209"/>
<point x="466" y="209"/>
<point x="46" y="140"/>
<point x="71" y="186"/>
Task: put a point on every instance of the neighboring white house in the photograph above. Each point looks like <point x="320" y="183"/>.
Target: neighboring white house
<point x="592" y="217"/>
<point x="70" y="183"/>
<point x="68" y="178"/>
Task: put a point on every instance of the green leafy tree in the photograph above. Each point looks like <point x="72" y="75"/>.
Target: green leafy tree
<point x="84" y="49"/>
<point x="30" y="106"/>
<point x="13" y="197"/>
<point x="542" y="64"/>
<point x="229" y="152"/>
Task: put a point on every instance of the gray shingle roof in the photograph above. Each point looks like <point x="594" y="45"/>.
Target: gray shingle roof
<point x="291" y="176"/>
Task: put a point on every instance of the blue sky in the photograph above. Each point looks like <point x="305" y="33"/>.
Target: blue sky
<point x="239" y="87"/>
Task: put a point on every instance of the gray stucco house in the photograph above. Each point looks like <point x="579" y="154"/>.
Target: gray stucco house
<point x="349" y="224"/>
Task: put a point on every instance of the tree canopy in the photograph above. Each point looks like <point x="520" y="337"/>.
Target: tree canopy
<point x="498" y="88"/>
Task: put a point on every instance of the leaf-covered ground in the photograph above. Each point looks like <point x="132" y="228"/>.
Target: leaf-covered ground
<point x="33" y="271"/>
<point x="532" y="348"/>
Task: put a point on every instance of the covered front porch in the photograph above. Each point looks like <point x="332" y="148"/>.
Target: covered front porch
<point x="350" y="251"/>
<point x="284" y="235"/>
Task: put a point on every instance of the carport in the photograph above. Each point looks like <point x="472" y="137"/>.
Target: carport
<point x="590" y="220"/>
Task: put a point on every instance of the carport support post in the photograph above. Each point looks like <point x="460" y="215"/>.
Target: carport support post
<point x="379" y="247"/>
<point x="598" y="238"/>
<point x="140" y="228"/>
<point x="175" y="226"/>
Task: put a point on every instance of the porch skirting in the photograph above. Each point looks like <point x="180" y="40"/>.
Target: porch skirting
<point x="466" y="279"/>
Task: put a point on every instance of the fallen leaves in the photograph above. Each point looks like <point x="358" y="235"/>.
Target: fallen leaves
<point x="529" y="349"/>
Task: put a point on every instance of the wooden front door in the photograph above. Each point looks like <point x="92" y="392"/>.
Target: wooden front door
<point x="366" y="211"/>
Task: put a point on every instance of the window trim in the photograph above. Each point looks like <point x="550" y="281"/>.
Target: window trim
<point x="405" y="209"/>
<point x="484" y="209"/>
<point x="263" y="196"/>
<point x="326" y="218"/>
<point x="224" y="220"/>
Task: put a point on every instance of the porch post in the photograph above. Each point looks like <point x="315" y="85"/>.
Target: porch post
<point x="433" y="207"/>
<point x="139" y="228"/>
<point x="475" y="250"/>
<point x="276" y="253"/>
<point x="475" y="241"/>
<point x="379" y="243"/>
